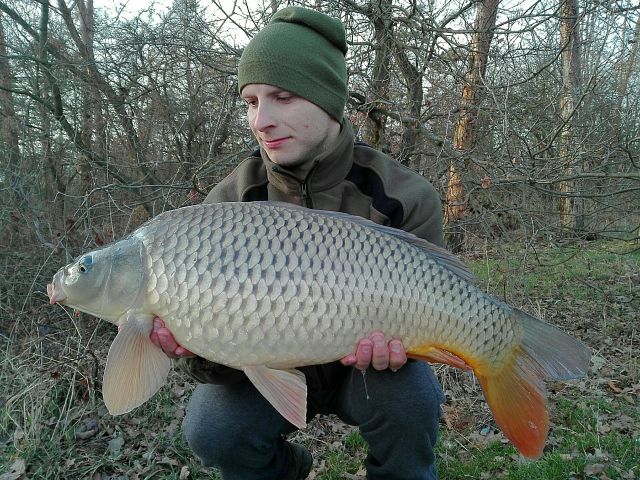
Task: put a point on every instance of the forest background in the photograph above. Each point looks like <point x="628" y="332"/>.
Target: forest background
<point x="525" y="115"/>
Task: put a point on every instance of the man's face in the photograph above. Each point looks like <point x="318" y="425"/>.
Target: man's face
<point x="291" y="130"/>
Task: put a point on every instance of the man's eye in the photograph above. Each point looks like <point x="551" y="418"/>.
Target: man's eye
<point x="284" y="98"/>
<point x="251" y="103"/>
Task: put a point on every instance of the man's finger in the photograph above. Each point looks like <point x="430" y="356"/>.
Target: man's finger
<point x="349" y="361"/>
<point x="163" y="338"/>
<point x="167" y="342"/>
<point x="397" y="355"/>
<point x="363" y="354"/>
<point x="157" y="325"/>
<point x="183" y="352"/>
<point x="380" y="355"/>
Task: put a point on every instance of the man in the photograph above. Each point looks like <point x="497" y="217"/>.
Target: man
<point x="293" y="78"/>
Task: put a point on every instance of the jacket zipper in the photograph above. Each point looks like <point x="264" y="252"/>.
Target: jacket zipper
<point x="304" y="184"/>
<point x="305" y="194"/>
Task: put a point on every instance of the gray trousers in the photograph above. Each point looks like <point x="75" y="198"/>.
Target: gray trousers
<point x="236" y="430"/>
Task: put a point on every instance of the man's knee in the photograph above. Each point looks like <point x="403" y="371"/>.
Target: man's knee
<point x="415" y="385"/>
<point x="421" y="412"/>
<point x="399" y="421"/>
<point x="207" y="434"/>
<point x="411" y="399"/>
<point x="224" y="424"/>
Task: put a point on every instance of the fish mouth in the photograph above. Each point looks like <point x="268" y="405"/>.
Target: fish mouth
<point x="54" y="289"/>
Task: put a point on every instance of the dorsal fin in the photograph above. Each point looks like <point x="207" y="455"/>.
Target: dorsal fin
<point x="442" y="256"/>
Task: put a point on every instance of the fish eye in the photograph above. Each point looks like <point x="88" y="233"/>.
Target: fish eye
<point x="85" y="264"/>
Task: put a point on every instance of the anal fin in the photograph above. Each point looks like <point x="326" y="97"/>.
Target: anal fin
<point x="434" y="354"/>
<point x="286" y="390"/>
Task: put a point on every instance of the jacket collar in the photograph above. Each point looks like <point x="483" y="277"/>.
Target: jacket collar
<point x="327" y="170"/>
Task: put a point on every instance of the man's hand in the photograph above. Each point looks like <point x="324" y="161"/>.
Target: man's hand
<point x="162" y="337"/>
<point x="378" y="353"/>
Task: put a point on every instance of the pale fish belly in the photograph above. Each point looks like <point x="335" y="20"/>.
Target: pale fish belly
<point x="293" y="288"/>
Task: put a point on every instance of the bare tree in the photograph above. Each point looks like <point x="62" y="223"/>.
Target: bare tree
<point x="379" y="13"/>
<point x="138" y="114"/>
<point x="627" y="68"/>
<point x="92" y="129"/>
<point x="571" y="204"/>
<point x="9" y="130"/>
<point x="463" y="137"/>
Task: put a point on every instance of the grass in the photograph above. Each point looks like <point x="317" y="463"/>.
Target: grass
<point x="53" y="419"/>
<point x="577" y="444"/>
<point x="579" y="273"/>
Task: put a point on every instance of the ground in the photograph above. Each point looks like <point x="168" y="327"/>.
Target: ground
<point x="53" y="423"/>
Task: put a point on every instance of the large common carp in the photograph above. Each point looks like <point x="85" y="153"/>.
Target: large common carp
<point x="267" y="287"/>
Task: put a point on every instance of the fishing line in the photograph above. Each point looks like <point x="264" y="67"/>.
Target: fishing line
<point x="364" y="380"/>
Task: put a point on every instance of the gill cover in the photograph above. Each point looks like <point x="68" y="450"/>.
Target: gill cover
<point x="106" y="282"/>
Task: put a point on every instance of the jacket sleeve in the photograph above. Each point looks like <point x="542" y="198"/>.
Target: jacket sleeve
<point x="421" y="207"/>
<point x="423" y="214"/>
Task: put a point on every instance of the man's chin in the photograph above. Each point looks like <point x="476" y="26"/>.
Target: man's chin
<point x="284" y="160"/>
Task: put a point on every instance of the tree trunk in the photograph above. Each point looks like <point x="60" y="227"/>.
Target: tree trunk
<point x="571" y="205"/>
<point x="90" y="101"/>
<point x="626" y="69"/>
<point x="411" y="127"/>
<point x="42" y="82"/>
<point x="378" y="93"/>
<point x="117" y="101"/>
<point x="9" y="124"/>
<point x="464" y="133"/>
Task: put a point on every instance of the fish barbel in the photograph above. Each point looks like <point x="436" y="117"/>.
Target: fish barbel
<point x="266" y="287"/>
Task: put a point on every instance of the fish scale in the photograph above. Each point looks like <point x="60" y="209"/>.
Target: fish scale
<point x="267" y="287"/>
<point x="389" y="291"/>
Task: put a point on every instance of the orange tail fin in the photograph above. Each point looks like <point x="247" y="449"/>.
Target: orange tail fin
<point x="516" y="393"/>
<point x="518" y="399"/>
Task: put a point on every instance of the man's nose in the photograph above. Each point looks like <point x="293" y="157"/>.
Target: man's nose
<point x="264" y="118"/>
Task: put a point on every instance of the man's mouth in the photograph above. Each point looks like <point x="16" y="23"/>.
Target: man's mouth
<point x="275" y="143"/>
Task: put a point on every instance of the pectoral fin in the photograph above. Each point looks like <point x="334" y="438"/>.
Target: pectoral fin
<point x="286" y="390"/>
<point x="135" y="370"/>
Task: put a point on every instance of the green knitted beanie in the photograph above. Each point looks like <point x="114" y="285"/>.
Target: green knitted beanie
<point x="301" y="51"/>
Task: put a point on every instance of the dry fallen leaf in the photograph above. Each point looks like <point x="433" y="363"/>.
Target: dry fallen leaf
<point x="18" y="435"/>
<point x="115" y="445"/>
<point x="614" y="387"/>
<point x="87" y="429"/>
<point x="17" y="469"/>
<point x="629" y="475"/>
<point x="357" y="476"/>
<point x="184" y="473"/>
<point x="594" y="469"/>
